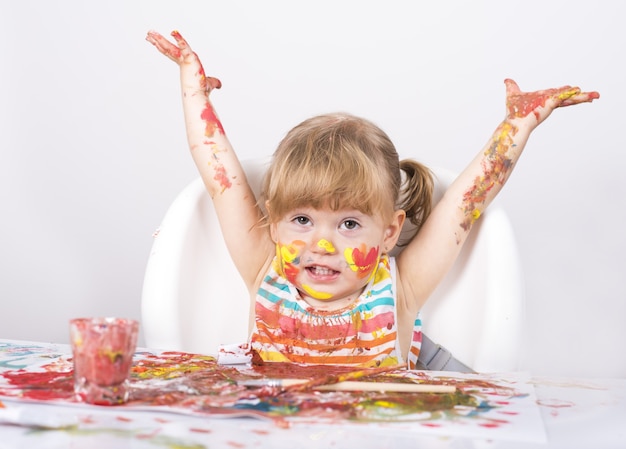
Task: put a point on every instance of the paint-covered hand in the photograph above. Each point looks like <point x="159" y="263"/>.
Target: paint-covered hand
<point x="534" y="107"/>
<point x="182" y="55"/>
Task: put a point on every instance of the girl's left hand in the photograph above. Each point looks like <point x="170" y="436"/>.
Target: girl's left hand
<point x="540" y="104"/>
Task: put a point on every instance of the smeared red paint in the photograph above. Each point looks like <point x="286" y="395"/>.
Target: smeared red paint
<point x="431" y="424"/>
<point x="197" y="383"/>
<point x="493" y="423"/>
<point x="521" y="106"/>
<point x="364" y="260"/>
<point x="179" y="38"/>
<point x="212" y="123"/>
<point x="47" y="385"/>
<point x="148" y="435"/>
<point x="489" y="425"/>
<point x="497" y="165"/>
<point x="222" y="177"/>
<point x="291" y="272"/>
<point x="87" y="419"/>
<point x="198" y="430"/>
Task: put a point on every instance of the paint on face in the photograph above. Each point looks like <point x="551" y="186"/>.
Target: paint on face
<point x="326" y="245"/>
<point x="496" y="169"/>
<point x="322" y="296"/>
<point x="291" y="253"/>
<point x="361" y="260"/>
<point x="289" y="257"/>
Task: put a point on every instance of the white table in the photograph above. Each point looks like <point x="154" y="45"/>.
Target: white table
<point x="577" y="413"/>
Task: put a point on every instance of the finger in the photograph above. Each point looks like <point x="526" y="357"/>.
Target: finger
<point x="566" y="92"/>
<point x="180" y="40"/>
<point x="213" y="83"/>
<point x="582" y="97"/>
<point x="511" y="87"/>
<point x="184" y="47"/>
<point x="163" y="45"/>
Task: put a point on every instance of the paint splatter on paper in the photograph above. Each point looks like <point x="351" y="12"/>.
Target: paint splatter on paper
<point x="196" y="384"/>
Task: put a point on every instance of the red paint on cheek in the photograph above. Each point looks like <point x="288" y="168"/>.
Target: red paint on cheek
<point x="365" y="263"/>
<point x="291" y="272"/>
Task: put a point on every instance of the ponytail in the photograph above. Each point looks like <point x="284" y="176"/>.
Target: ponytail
<point x="416" y="193"/>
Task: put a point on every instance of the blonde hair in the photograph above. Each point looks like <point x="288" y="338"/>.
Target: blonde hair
<point x="342" y="161"/>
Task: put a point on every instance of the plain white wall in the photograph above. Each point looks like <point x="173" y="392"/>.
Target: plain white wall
<point x="93" y="148"/>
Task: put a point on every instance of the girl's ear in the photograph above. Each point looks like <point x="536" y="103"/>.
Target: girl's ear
<point x="392" y="233"/>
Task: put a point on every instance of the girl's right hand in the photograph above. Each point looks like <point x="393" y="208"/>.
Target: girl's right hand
<point x="182" y="55"/>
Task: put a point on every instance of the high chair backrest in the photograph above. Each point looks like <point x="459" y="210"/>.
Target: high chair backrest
<point x="194" y="299"/>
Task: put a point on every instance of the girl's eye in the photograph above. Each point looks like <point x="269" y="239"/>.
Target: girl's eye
<point x="301" y="220"/>
<point x="350" y="225"/>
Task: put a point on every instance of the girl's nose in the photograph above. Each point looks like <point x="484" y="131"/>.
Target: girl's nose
<point x="325" y="246"/>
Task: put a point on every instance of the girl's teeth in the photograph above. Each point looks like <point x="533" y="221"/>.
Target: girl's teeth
<point x="322" y="271"/>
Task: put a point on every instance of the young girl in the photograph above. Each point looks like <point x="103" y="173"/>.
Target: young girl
<point x="323" y="287"/>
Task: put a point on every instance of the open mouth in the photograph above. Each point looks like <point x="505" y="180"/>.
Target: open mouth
<point x="321" y="272"/>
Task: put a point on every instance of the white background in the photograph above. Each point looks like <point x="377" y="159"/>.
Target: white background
<point x="93" y="150"/>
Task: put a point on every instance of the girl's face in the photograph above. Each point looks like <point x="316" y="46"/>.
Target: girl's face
<point x="329" y="255"/>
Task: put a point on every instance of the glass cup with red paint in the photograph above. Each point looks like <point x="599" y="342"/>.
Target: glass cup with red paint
<point x="102" y="350"/>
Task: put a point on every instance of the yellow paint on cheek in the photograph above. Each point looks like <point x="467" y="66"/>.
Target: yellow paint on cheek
<point x="289" y="253"/>
<point x="315" y="294"/>
<point x="347" y="253"/>
<point x="325" y="244"/>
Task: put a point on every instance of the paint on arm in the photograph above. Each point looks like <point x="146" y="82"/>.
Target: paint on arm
<point x="496" y="165"/>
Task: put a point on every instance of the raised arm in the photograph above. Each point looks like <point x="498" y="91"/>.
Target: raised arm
<point x="219" y="167"/>
<point x="430" y="255"/>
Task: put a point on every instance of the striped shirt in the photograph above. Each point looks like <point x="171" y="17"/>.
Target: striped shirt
<point x="363" y="334"/>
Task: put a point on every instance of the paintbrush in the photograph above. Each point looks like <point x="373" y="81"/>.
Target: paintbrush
<point x="346" y="382"/>
<point x="348" y="385"/>
<point x="341" y="377"/>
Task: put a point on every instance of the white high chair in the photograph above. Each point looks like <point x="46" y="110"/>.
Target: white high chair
<point x="194" y="299"/>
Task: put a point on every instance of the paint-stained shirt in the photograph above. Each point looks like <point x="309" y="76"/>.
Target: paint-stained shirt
<point x="363" y="334"/>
